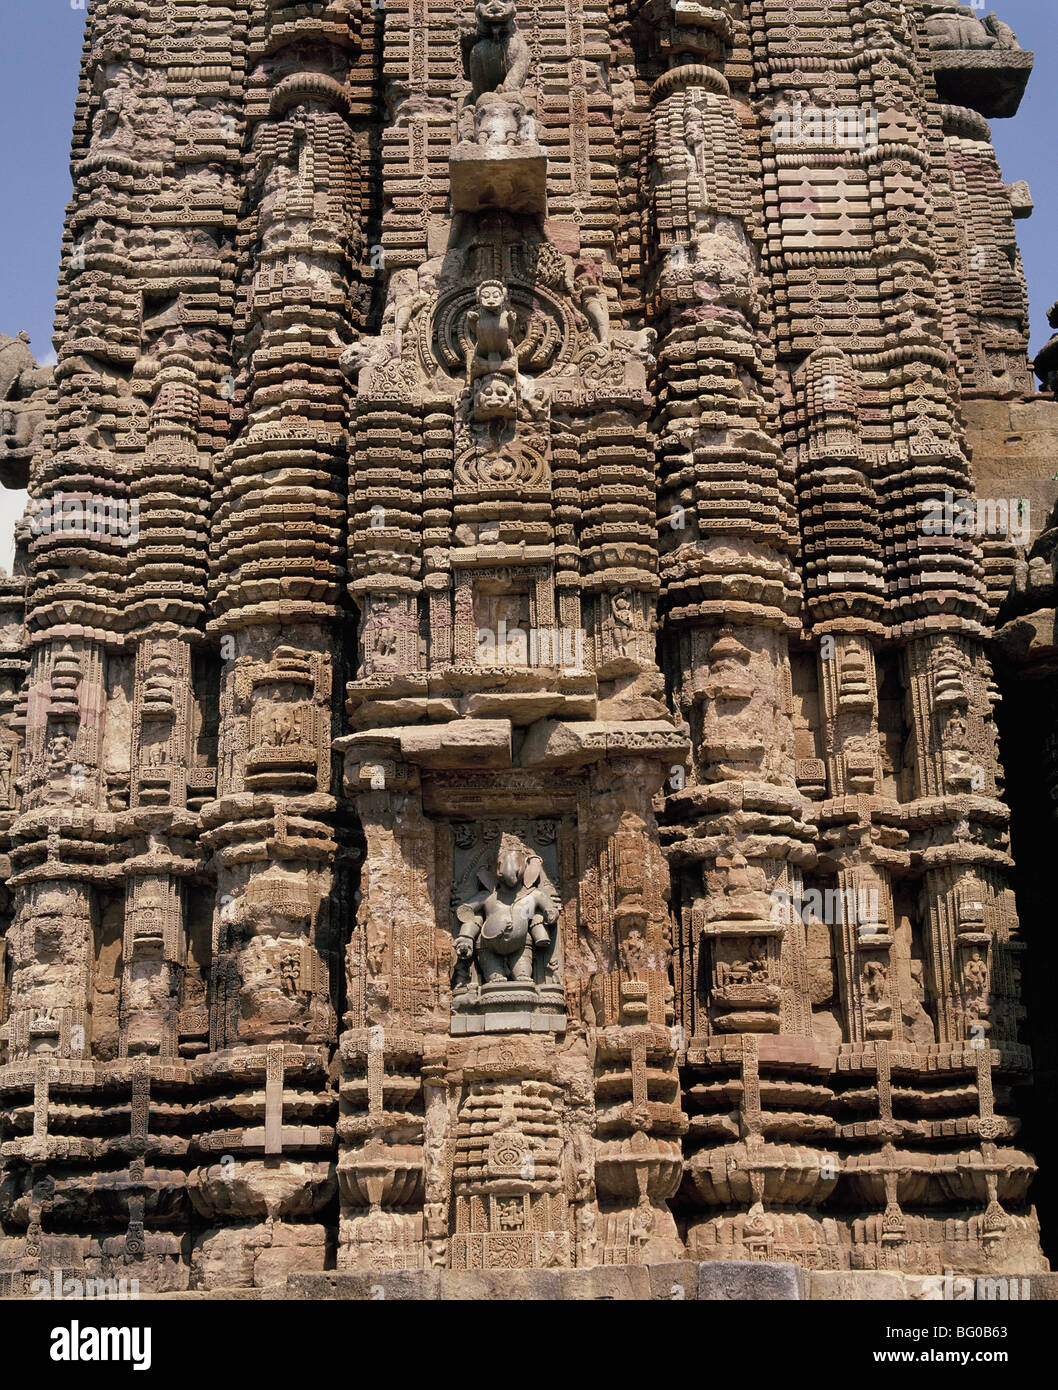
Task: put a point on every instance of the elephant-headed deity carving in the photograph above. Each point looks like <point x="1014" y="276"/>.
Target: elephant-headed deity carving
<point x="510" y="919"/>
<point x="508" y="955"/>
<point x="499" y="122"/>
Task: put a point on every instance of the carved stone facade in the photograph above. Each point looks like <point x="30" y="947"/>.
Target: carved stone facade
<point x="503" y="773"/>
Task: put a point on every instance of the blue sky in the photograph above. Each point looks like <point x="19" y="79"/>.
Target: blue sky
<point x="40" y="56"/>
<point x="40" y="51"/>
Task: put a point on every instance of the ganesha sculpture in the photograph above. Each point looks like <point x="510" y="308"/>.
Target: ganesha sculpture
<point x="506" y="973"/>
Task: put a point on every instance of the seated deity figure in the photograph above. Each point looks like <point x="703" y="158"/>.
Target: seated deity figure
<point x="509" y="919"/>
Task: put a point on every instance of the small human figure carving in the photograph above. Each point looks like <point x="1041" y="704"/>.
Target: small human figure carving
<point x="624" y="623"/>
<point x="875" y="976"/>
<point x="491" y="325"/>
<point x="694" y="138"/>
<point x="290" y="972"/>
<point x="376" y="955"/>
<point x="426" y="288"/>
<point x="975" y="973"/>
<point x="975" y="980"/>
<point x="509" y="919"/>
<point x="635" y="954"/>
<point x="587" y="281"/>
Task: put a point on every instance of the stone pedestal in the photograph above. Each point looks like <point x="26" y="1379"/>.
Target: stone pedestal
<point x="513" y="178"/>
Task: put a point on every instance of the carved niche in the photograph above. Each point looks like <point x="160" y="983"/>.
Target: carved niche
<point x="161" y="722"/>
<point x="506" y="907"/>
<point x="288" y="739"/>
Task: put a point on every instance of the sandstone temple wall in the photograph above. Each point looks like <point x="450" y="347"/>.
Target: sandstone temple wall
<point x="498" y="728"/>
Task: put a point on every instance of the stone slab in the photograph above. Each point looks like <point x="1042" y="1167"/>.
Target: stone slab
<point x="678" y="1281"/>
<point x="739" y="1280"/>
<point x="486" y="176"/>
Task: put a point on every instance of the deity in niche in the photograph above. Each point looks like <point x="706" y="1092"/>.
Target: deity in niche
<point x="284" y="722"/>
<point x="386" y="619"/>
<point x="284" y="725"/>
<point x="624" y="624"/>
<point x="155" y="753"/>
<point x="635" y="954"/>
<point x="290" y="971"/>
<point x="975" y="984"/>
<point x="276" y="724"/>
<point x="60" y="753"/>
<point x="510" y="919"/>
<point x="874" y="979"/>
<point x="694" y="137"/>
<point x="7" y="758"/>
<point x="751" y="971"/>
<point x="505" y="906"/>
<point x="503" y="624"/>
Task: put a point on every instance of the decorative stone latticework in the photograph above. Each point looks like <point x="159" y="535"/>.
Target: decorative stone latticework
<point x="499" y="772"/>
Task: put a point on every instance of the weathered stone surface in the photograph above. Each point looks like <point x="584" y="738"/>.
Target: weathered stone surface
<point x="513" y="179"/>
<point x="728" y="1280"/>
<point x="499" y="783"/>
<point x="24" y="391"/>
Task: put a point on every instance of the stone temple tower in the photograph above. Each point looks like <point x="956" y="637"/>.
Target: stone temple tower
<point x="498" y="761"/>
